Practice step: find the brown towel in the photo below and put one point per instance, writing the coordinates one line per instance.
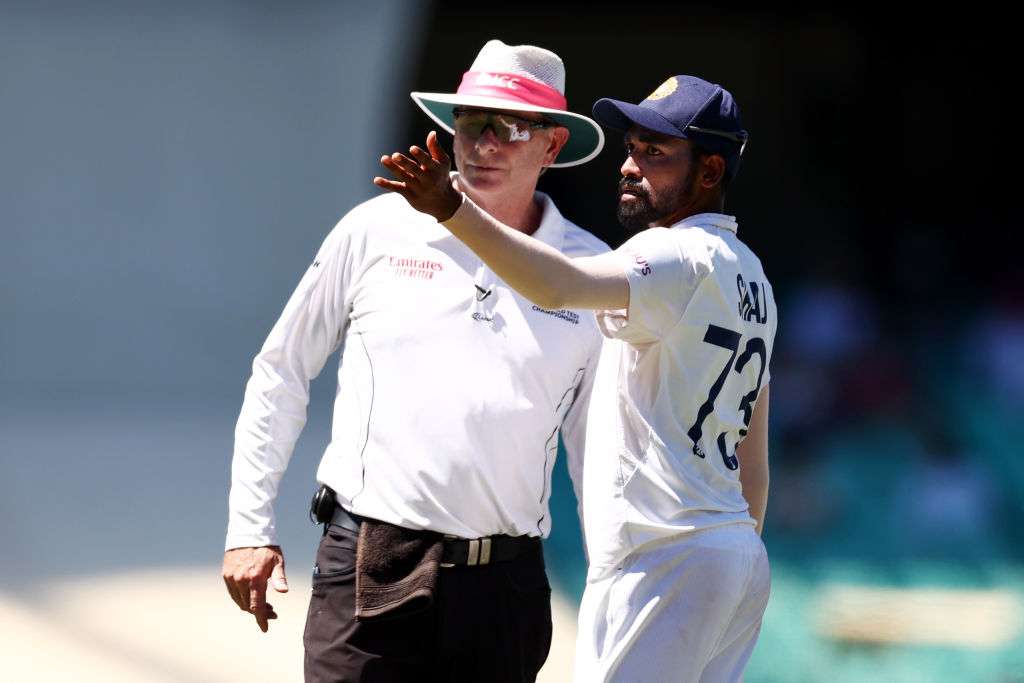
(396, 570)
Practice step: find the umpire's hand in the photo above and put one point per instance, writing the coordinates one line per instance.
(246, 572)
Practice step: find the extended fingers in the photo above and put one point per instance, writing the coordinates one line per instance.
(389, 164)
(424, 159)
(436, 152)
(401, 166)
(391, 185)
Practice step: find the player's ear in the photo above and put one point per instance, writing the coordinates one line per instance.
(712, 170)
(556, 141)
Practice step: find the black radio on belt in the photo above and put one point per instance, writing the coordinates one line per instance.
(321, 509)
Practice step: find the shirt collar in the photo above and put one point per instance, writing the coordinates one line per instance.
(551, 230)
(709, 220)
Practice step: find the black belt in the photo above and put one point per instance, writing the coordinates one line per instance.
(461, 551)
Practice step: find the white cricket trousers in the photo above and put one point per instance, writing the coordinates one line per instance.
(686, 610)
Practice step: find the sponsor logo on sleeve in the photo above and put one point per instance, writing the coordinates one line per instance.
(645, 267)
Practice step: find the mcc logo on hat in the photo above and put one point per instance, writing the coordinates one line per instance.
(518, 78)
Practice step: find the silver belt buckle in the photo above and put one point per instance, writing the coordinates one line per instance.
(479, 552)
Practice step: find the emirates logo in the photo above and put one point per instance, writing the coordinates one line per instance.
(419, 269)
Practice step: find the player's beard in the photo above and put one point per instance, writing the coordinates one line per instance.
(648, 207)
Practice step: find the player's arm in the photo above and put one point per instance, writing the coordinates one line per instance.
(753, 456)
(537, 271)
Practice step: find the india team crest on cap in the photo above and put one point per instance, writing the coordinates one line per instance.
(664, 90)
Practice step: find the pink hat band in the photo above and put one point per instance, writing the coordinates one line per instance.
(511, 87)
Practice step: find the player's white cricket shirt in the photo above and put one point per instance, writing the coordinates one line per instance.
(452, 387)
(675, 387)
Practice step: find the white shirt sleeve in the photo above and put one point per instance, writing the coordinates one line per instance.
(663, 277)
(274, 410)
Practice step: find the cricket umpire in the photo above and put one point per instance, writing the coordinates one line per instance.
(452, 393)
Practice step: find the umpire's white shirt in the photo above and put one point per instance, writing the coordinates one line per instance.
(675, 384)
(452, 387)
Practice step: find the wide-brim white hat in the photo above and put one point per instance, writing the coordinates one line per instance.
(518, 78)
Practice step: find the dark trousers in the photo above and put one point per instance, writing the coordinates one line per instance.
(490, 623)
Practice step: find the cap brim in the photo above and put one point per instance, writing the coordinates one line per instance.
(585, 137)
(623, 116)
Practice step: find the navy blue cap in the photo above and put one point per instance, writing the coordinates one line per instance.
(684, 107)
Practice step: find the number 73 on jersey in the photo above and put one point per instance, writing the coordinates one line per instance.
(730, 341)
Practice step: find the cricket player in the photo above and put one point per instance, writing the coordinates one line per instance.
(452, 392)
(676, 471)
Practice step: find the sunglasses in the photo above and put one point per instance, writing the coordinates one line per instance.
(507, 128)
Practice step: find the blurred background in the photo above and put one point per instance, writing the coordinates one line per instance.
(168, 169)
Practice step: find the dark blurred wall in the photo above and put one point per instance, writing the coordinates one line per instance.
(879, 135)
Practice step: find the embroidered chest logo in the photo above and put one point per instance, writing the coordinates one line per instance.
(416, 268)
(562, 314)
(753, 304)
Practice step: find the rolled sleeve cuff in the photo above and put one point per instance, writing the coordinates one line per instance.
(249, 541)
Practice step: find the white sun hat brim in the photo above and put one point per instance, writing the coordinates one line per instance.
(586, 139)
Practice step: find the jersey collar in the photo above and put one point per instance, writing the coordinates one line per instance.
(709, 220)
